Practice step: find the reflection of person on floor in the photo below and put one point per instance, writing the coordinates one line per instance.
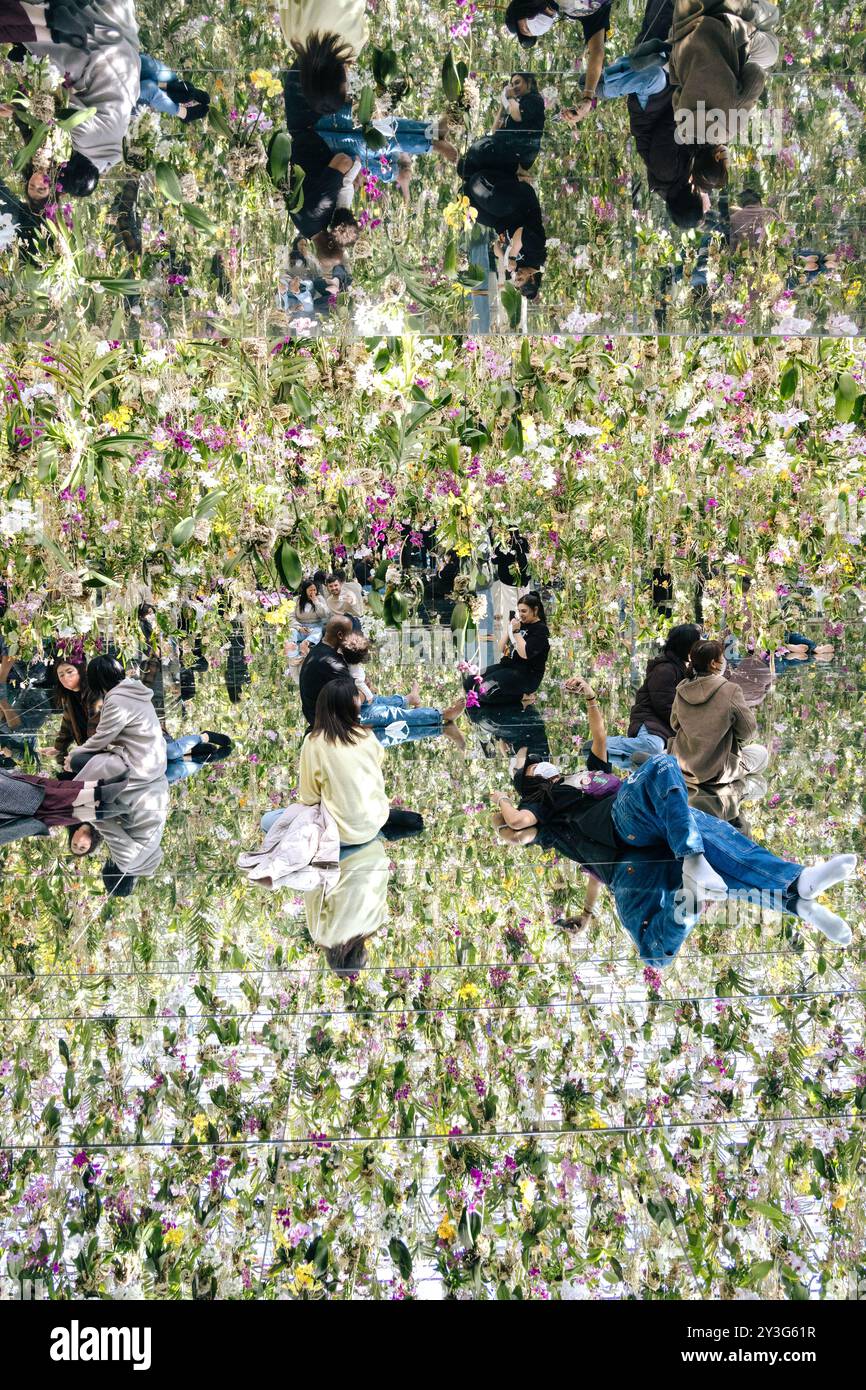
(96, 46)
(720, 50)
(187, 754)
(342, 920)
(33, 805)
(603, 817)
(326, 37)
(513, 728)
(163, 91)
(713, 728)
(401, 135)
(528, 20)
(515, 142)
(511, 565)
(649, 723)
(510, 206)
(24, 705)
(525, 649)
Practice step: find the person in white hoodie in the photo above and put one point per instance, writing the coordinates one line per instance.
(128, 735)
(95, 43)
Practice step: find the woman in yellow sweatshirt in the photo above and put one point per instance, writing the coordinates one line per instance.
(341, 766)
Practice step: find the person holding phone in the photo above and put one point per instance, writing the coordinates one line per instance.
(525, 648)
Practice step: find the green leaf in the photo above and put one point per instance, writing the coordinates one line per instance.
(772, 1213)
(366, 102)
(210, 502)
(198, 218)
(512, 303)
(279, 157)
(217, 121)
(22, 158)
(451, 84)
(846, 397)
(301, 402)
(400, 1255)
(167, 182)
(77, 118)
(758, 1271)
(449, 264)
(182, 532)
(289, 565)
(788, 383)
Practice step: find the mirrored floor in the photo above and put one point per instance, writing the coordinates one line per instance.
(454, 156)
(523, 1100)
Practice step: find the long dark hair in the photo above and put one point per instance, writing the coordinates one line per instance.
(710, 167)
(103, 674)
(63, 697)
(322, 63)
(303, 600)
(681, 639)
(349, 957)
(533, 601)
(337, 713)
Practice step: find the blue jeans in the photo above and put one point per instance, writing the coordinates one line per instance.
(652, 808)
(308, 634)
(342, 136)
(620, 79)
(150, 94)
(393, 721)
(178, 767)
(620, 748)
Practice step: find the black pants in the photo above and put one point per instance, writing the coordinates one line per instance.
(402, 823)
(502, 685)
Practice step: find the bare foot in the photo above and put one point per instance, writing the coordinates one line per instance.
(414, 697)
(446, 150)
(451, 731)
(454, 711)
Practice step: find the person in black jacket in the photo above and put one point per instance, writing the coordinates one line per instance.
(649, 724)
(668, 162)
(323, 663)
(515, 142)
(510, 206)
(525, 649)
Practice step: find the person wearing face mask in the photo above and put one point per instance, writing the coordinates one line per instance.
(530, 20)
(713, 727)
(600, 820)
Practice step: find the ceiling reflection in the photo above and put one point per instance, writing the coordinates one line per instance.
(629, 169)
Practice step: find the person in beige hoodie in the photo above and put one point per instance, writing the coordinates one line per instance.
(713, 728)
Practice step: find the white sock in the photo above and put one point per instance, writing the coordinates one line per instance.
(835, 928)
(701, 877)
(819, 877)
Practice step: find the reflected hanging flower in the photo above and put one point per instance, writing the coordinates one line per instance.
(460, 214)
